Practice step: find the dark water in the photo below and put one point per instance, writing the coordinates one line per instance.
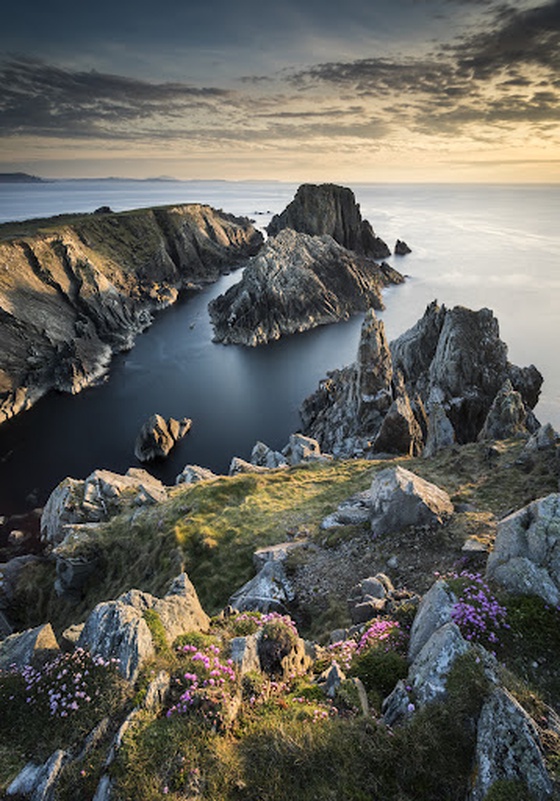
(494, 246)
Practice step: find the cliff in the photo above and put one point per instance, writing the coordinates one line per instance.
(74, 290)
(330, 209)
(295, 283)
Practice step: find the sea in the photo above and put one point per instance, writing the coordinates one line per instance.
(494, 246)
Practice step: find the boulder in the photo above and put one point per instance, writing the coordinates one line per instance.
(508, 747)
(28, 647)
(238, 465)
(354, 511)
(245, 653)
(158, 436)
(303, 449)
(544, 438)
(330, 209)
(399, 498)
(330, 680)
(118, 629)
(269, 591)
(193, 473)
(263, 456)
(526, 558)
(276, 553)
(102, 495)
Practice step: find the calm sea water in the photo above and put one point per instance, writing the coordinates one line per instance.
(494, 246)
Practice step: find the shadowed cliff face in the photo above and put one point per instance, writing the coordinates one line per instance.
(74, 293)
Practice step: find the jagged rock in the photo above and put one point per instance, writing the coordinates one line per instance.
(158, 436)
(269, 591)
(102, 495)
(508, 747)
(238, 465)
(455, 357)
(295, 283)
(80, 291)
(508, 415)
(369, 598)
(156, 692)
(441, 433)
(347, 410)
(72, 572)
(28, 647)
(38, 782)
(104, 791)
(400, 431)
(298, 660)
(427, 675)
(400, 498)
(193, 473)
(433, 612)
(263, 456)
(401, 248)
(303, 449)
(525, 556)
(70, 636)
(117, 629)
(330, 209)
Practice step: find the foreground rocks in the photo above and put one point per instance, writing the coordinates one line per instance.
(445, 380)
(76, 293)
(297, 282)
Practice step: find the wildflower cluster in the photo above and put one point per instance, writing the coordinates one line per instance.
(381, 633)
(477, 612)
(208, 685)
(248, 622)
(68, 683)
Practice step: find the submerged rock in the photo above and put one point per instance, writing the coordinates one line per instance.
(295, 283)
(330, 209)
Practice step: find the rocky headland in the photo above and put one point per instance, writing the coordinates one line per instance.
(445, 380)
(316, 268)
(75, 290)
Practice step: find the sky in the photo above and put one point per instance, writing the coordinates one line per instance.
(302, 90)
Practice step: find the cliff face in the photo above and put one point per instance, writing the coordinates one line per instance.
(330, 209)
(75, 292)
(295, 283)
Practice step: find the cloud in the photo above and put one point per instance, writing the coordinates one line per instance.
(42, 99)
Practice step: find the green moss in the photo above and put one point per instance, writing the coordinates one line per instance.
(159, 637)
(379, 671)
(507, 790)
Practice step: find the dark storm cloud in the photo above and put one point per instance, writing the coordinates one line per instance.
(42, 99)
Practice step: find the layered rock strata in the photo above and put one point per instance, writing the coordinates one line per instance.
(295, 283)
(445, 380)
(78, 290)
(330, 209)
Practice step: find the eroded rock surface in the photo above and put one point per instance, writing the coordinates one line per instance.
(295, 283)
(158, 437)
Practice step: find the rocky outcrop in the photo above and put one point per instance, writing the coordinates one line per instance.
(119, 630)
(525, 556)
(269, 591)
(455, 357)
(26, 647)
(401, 248)
(75, 293)
(38, 782)
(445, 380)
(295, 283)
(330, 209)
(102, 495)
(158, 436)
(193, 473)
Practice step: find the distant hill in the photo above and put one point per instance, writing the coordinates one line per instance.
(19, 178)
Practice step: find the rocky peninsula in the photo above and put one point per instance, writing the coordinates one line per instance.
(74, 290)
